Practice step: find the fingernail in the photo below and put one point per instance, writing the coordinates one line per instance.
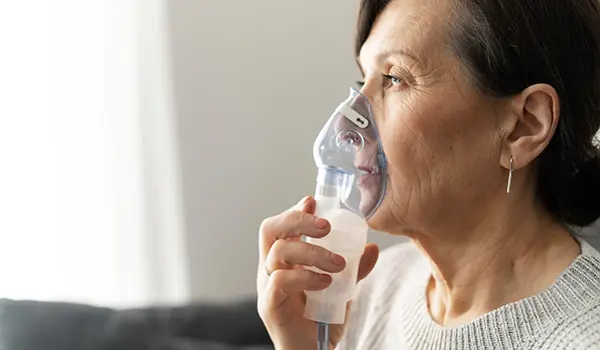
(338, 259)
(321, 223)
(325, 277)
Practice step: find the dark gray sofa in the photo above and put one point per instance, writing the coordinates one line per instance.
(33, 325)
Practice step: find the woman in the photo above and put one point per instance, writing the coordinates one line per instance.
(490, 97)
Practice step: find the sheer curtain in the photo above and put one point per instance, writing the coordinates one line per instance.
(89, 187)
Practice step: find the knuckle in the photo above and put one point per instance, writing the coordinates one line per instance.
(277, 279)
(270, 265)
(312, 279)
(314, 252)
(275, 257)
(265, 225)
(278, 248)
(295, 217)
(307, 275)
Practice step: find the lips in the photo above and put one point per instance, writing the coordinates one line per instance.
(369, 181)
(366, 170)
(368, 176)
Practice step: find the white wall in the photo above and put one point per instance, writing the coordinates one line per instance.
(254, 82)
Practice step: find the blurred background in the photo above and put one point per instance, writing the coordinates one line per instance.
(144, 141)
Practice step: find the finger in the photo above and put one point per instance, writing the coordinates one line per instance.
(282, 283)
(295, 223)
(284, 254)
(290, 224)
(368, 260)
(307, 204)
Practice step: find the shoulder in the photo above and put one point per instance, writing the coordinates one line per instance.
(581, 332)
(581, 329)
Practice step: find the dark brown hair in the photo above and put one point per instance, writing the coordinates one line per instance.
(506, 46)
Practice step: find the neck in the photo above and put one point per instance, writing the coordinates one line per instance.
(507, 257)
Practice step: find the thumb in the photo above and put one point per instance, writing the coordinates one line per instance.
(368, 260)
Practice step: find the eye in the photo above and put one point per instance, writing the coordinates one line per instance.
(393, 81)
(360, 84)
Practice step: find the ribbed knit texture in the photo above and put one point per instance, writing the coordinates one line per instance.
(390, 311)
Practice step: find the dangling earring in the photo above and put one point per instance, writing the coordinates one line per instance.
(510, 175)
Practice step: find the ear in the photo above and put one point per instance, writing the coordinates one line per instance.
(537, 111)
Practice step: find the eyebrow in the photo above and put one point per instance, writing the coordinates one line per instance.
(401, 52)
(387, 53)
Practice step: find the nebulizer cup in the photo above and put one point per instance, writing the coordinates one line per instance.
(351, 183)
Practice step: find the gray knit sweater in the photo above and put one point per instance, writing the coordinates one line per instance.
(390, 311)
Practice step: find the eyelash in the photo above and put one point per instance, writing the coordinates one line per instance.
(391, 79)
(388, 77)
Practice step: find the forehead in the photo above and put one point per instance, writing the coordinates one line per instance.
(416, 27)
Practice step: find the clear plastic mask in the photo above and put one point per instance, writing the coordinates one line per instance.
(350, 159)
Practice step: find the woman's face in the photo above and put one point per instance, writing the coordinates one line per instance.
(440, 135)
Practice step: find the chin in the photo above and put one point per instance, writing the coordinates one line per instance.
(379, 221)
(386, 218)
(369, 195)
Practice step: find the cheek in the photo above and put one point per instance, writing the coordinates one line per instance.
(417, 141)
(434, 149)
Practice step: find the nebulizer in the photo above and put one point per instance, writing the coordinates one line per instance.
(351, 183)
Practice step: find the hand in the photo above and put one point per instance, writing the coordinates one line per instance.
(282, 278)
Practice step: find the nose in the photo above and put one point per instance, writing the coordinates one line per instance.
(370, 90)
(371, 96)
(361, 104)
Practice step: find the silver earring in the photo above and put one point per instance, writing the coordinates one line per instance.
(510, 175)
